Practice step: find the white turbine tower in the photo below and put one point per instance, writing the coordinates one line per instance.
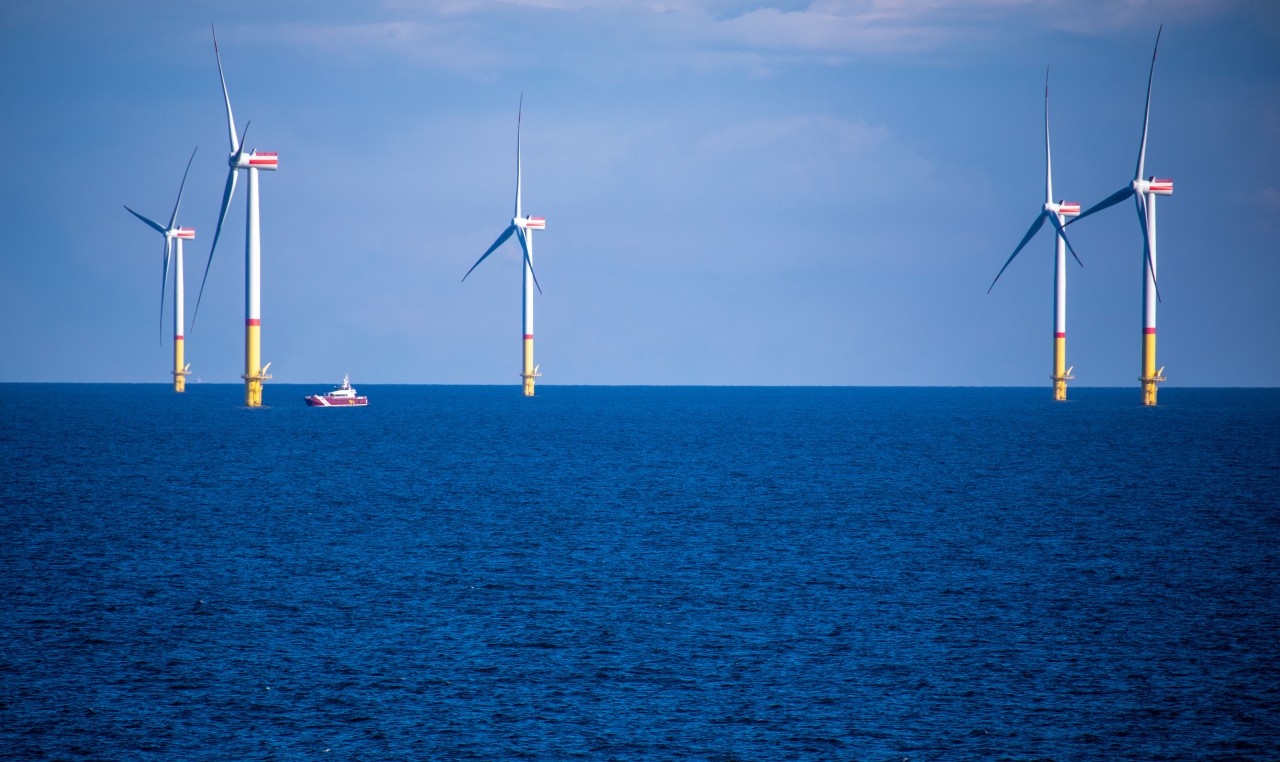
(173, 238)
(523, 227)
(254, 372)
(1144, 192)
(1055, 214)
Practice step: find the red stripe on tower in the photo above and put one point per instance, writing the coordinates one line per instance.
(1149, 330)
(253, 321)
(528, 336)
(177, 337)
(1060, 335)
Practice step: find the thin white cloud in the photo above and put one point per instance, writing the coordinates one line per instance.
(460, 7)
(904, 26)
(833, 27)
(476, 36)
(439, 43)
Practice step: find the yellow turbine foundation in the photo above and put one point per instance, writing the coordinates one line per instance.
(179, 374)
(528, 375)
(1149, 377)
(1060, 377)
(252, 364)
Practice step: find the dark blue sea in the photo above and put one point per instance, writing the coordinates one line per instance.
(639, 573)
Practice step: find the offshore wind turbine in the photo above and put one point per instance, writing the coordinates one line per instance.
(173, 238)
(254, 372)
(1055, 213)
(523, 228)
(1144, 192)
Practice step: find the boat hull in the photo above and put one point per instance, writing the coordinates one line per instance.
(324, 400)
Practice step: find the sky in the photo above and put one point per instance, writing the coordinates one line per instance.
(750, 192)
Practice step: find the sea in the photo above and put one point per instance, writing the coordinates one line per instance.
(639, 573)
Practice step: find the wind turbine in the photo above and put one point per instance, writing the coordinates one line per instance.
(254, 372)
(523, 228)
(1055, 213)
(1144, 192)
(173, 238)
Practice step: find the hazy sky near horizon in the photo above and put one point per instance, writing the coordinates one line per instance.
(761, 192)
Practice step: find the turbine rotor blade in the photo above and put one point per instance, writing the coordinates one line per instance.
(174, 218)
(231, 122)
(1035, 227)
(519, 120)
(524, 246)
(501, 239)
(1146, 243)
(1062, 231)
(217, 233)
(1142, 147)
(153, 225)
(1109, 201)
(1048, 158)
(227, 193)
(164, 281)
(243, 137)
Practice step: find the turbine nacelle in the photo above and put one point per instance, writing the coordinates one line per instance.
(1064, 208)
(254, 160)
(186, 234)
(1156, 185)
(530, 223)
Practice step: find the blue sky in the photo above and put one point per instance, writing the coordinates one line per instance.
(735, 192)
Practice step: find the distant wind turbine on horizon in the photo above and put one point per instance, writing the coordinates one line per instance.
(1055, 214)
(523, 228)
(173, 238)
(254, 372)
(1144, 192)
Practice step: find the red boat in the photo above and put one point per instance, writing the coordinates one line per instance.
(342, 396)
